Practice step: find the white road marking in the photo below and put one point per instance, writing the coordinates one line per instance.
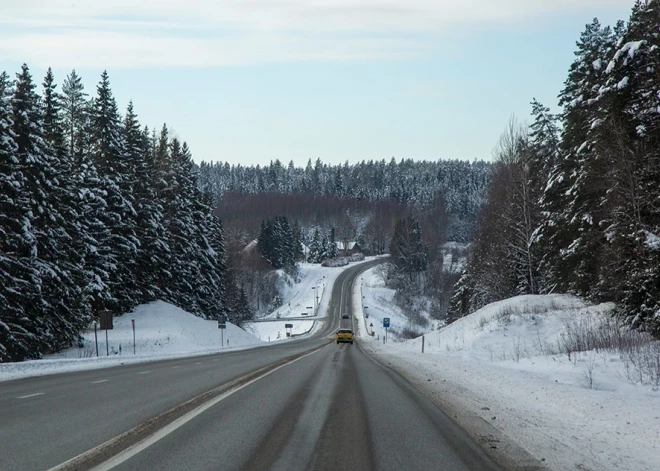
(100, 381)
(31, 395)
(177, 366)
(171, 427)
(144, 372)
(198, 363)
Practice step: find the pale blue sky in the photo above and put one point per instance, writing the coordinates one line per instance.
(253, 81)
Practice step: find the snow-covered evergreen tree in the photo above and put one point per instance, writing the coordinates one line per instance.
(20, 284)
(74, 108)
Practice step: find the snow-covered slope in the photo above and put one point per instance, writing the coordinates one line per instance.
(299, 302)
(161, 331)
(508, 365)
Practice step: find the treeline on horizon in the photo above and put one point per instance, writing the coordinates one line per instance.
(96, 213)
(574, 205)
(458, 185)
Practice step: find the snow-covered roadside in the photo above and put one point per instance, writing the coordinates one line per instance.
(164, 331)
(499, 366)
(300, 298)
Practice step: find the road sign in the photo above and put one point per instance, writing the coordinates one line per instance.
(371, 325)
(386, 322)
(105, 318)
(222, 322)
(304, 313)
(288, 326)
(309, 307)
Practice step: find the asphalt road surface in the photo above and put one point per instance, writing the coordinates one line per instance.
(296, 405)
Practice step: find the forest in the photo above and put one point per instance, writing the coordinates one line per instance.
(574, 204)
(97, 213)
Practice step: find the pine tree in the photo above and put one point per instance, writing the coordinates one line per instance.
(627, 136)
(74, 106)
(332, 250)
(315, 248)
(117, 178)
(19, 279)
(570, 230)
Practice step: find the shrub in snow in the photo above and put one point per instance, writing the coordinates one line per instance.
(342, 261)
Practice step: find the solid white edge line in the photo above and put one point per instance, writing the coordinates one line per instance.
(163, 432)
(30, 395)
(100, 381)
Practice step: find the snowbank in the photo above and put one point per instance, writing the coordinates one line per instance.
(162, 331)
(508, 365)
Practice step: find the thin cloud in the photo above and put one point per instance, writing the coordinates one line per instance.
(129, 33)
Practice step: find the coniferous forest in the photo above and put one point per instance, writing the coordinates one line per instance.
(96, 213)
(574, 204)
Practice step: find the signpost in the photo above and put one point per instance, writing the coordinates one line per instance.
(366, 314)
(96, 339)
(386, 324)
(133, 322)
(105, 318)
(222, 325)
(286, 327)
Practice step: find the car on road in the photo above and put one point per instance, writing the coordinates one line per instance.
(345, 335)
(345, 316)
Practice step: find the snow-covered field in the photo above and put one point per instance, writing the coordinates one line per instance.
(505, 365)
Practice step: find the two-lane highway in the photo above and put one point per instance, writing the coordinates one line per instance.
(335, 408)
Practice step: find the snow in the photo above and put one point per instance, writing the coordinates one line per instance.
(597, 64)
(500, 364)
(298, 306)
(274, 331)
(610, 67)
(652, 241)
(623, 83)
(162, 331)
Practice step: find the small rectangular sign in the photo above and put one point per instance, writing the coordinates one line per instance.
(386, 322)
(288, 326)
(105, 319)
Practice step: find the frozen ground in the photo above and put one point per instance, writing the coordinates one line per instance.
(503, 365)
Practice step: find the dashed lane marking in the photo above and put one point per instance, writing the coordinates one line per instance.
(100, 381)
(30, 395)
(144, 372)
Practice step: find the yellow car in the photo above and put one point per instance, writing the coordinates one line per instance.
(345, 335)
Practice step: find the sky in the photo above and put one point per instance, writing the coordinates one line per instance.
(250, 81)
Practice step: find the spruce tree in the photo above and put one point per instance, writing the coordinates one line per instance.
(74, 106)
(20, 295)
(116, 179)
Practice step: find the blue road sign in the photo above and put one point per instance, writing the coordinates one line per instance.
(386, 322)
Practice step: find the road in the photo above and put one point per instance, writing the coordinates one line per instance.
(265, 408)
